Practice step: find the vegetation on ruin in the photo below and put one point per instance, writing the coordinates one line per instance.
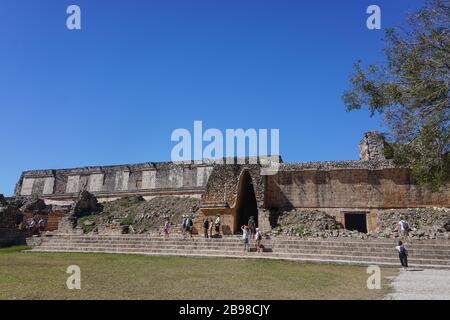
(411, 92)
(117, 276)
(141, 216)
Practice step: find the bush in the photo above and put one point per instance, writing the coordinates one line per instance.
(128, 221)
(87, 223)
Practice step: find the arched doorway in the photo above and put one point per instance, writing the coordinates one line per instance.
(246, 205)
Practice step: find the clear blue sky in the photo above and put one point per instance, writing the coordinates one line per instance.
(114, 91)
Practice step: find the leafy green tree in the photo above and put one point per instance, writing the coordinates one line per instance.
(411, 92)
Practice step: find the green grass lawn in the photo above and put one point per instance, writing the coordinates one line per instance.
(118, 276)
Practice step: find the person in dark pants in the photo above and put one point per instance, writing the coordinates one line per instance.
(189, 225)
(402, 254)
(206, 227)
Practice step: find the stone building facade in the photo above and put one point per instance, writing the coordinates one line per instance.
(355, 192)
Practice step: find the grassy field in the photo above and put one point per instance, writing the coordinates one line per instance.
(117, 276)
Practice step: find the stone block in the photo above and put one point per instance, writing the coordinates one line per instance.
(27, 187)
(73, 184)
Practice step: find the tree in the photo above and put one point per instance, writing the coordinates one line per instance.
(411, 92)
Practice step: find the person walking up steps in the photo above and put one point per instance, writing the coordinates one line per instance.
(403, 228)
(402, 254)
(245, 238)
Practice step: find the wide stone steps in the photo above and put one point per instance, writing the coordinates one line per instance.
(445, 245)
(279, 243)
(237, 239)
(284, 255)
(229, 250)
(370, 247)
(430, 254)
(271, 247)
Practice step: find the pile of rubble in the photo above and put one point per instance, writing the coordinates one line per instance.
(305, 223)
(426, 223)
(139, 216)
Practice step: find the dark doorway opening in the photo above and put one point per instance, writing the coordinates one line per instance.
(246, 206)
(356, 221)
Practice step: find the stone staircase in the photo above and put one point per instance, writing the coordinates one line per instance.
(424, 254)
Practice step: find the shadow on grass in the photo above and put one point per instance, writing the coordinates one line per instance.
(14, 249)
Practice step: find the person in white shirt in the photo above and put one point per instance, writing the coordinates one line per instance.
(217, 225)
(258, 238)
(245, 238)
(403, 228)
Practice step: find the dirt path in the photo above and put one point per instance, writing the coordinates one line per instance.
(418, 284)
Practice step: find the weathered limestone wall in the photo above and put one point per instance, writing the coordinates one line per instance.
(222, 186)
(114, 179)
(350, 188)
(221, 195)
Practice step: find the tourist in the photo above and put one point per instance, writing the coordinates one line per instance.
(41, 225)
(206, 227)
(31, 224)
(258, 238)
(402, 254)
(217, 225)
(211, 228)
(183, 225)
(245, 238)
(252, 225)
(167, 227)
(189, 225)
(403, 228)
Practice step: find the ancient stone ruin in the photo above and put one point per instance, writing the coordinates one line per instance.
(322, 199)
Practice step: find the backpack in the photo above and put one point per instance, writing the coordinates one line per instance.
(406, 226)
(402, 250)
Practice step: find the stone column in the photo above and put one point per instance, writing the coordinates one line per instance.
(264, 220)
